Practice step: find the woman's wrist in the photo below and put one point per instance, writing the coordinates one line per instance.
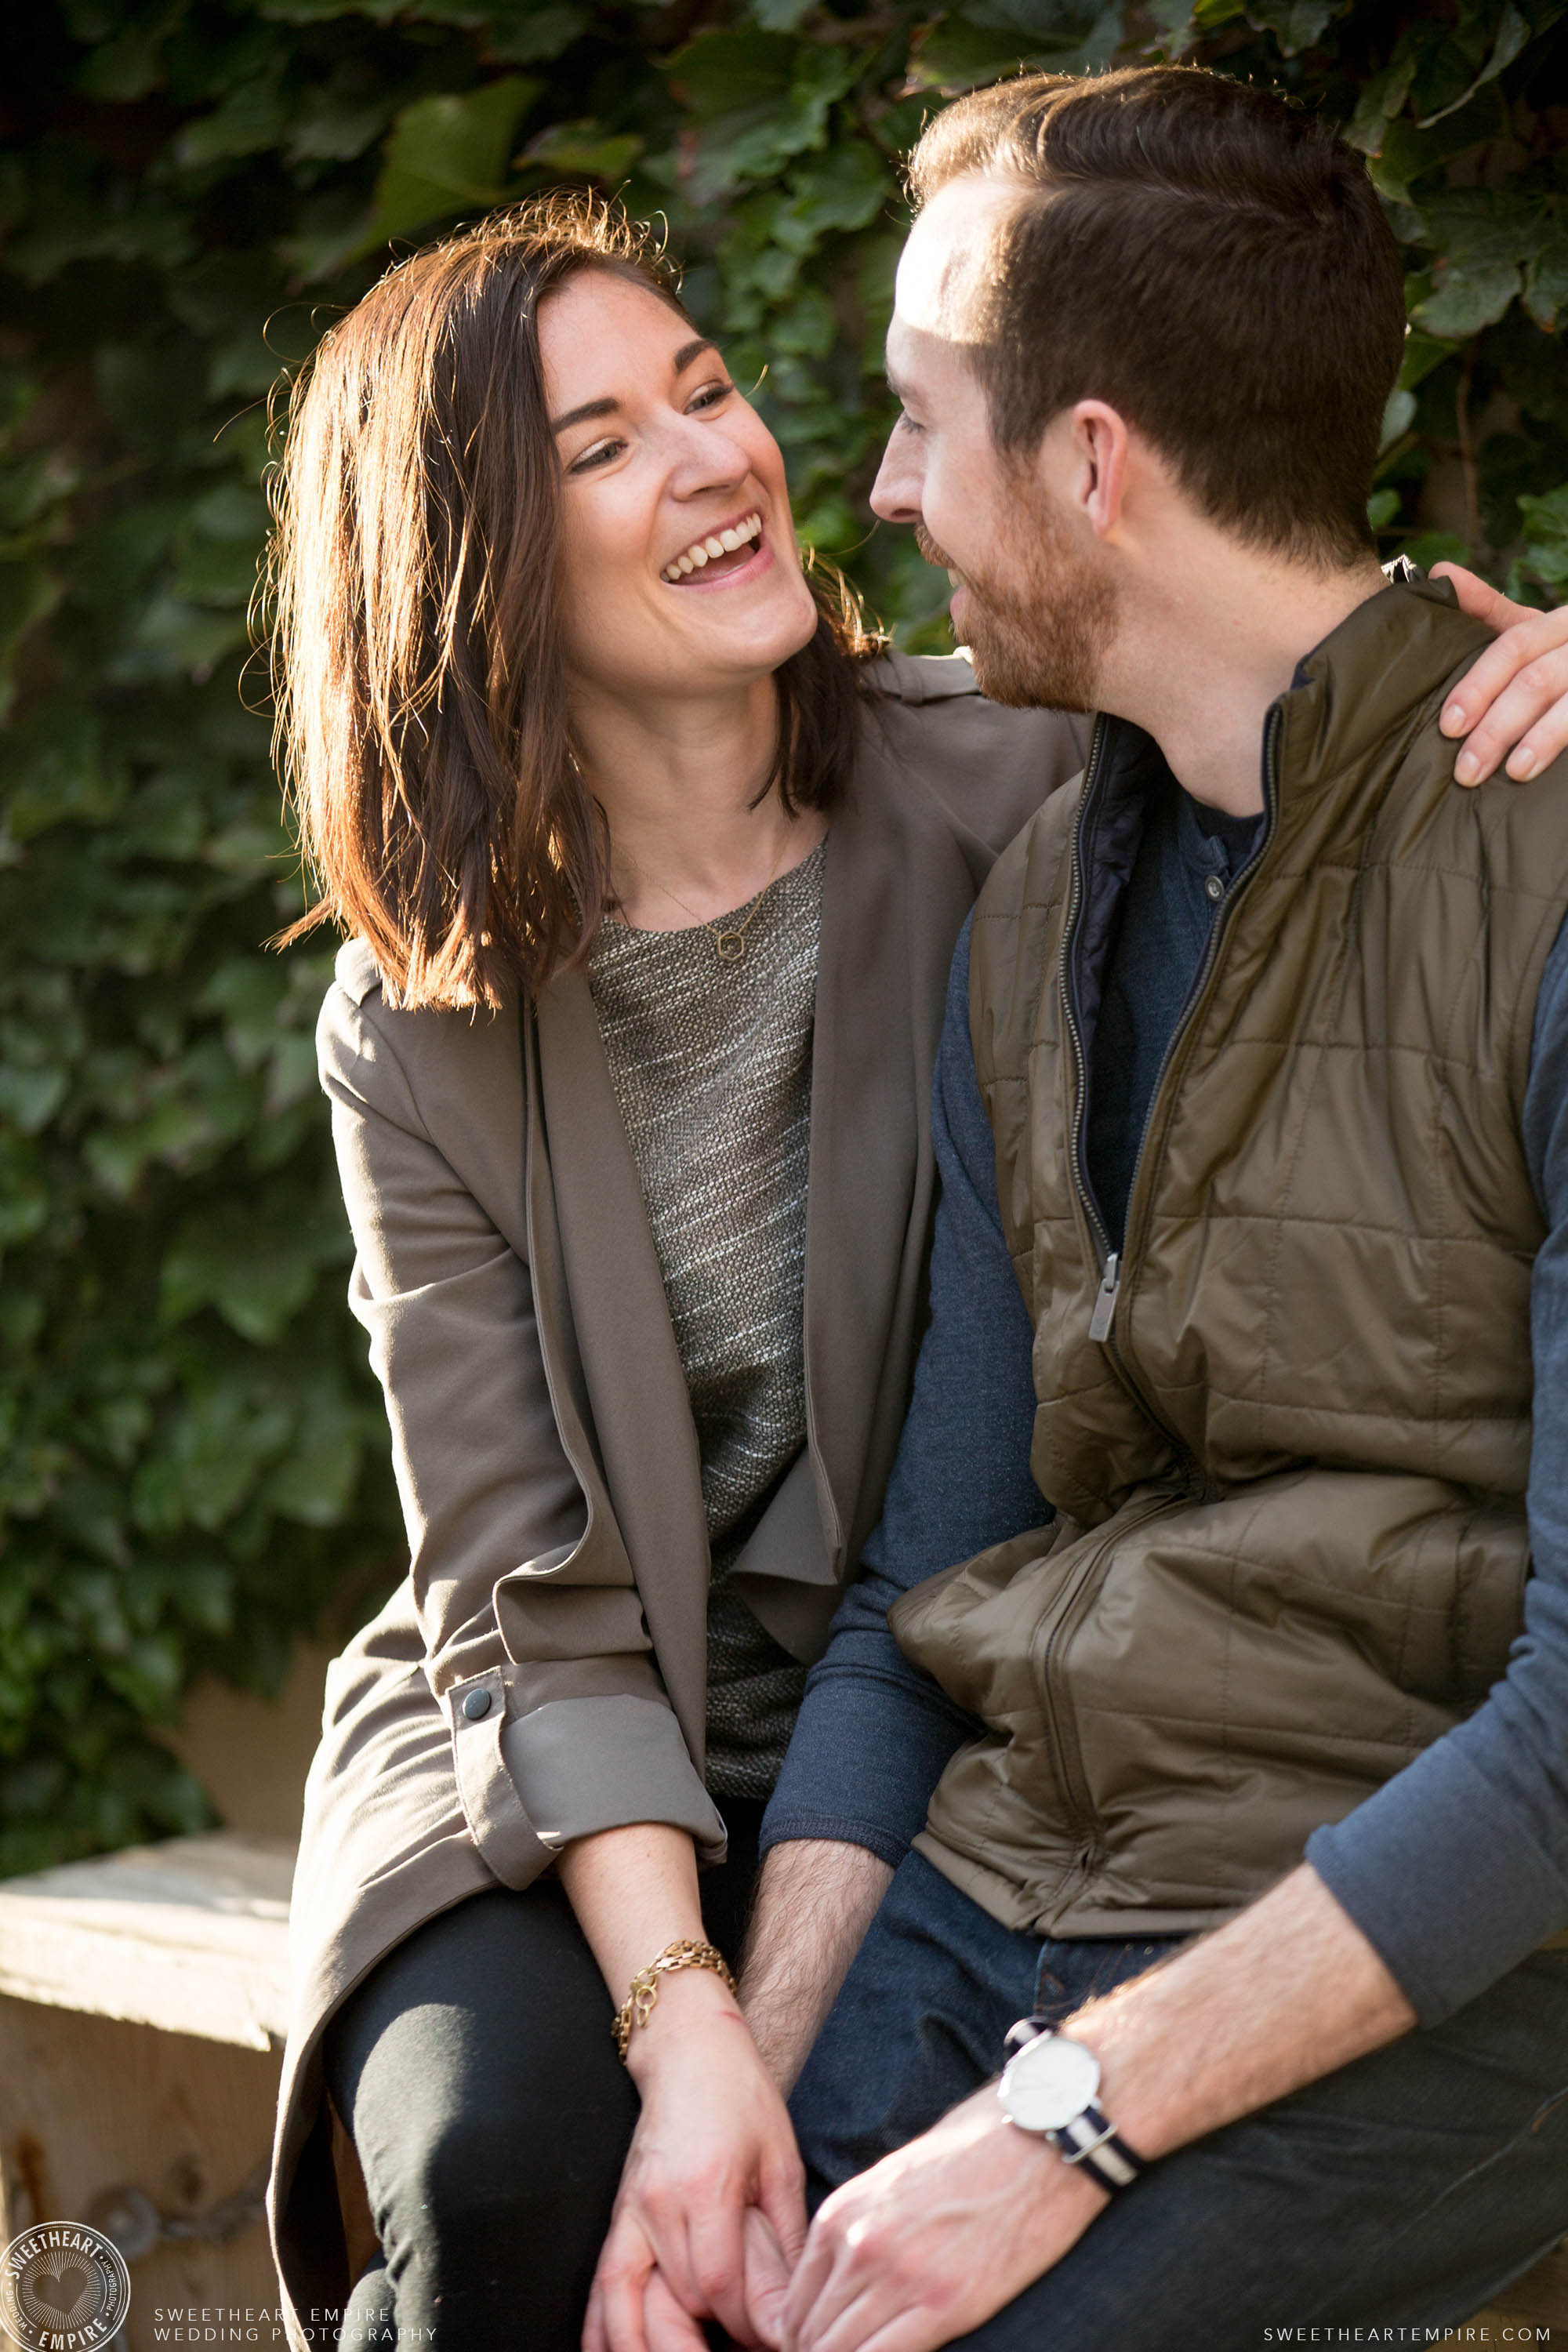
(692, 2005)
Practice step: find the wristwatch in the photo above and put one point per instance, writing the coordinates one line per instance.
(1050, 2086)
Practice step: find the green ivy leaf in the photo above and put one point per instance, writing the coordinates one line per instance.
(315, 1481)
(1408, 156)
(30, 1098)
(54, 771)
(1296, 25)
(845, 189)
(1514, 33)
(723, 73)
(1468, 299)
(584, 149)
(955, 55)
(445, 155)
(1546, 536)
(522, 33)
(1546, 284)
(1381, 99)
(251, 118)
(758, 139)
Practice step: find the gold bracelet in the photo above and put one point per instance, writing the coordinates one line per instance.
(637, 2007)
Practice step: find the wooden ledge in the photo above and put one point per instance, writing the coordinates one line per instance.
(191, 1934)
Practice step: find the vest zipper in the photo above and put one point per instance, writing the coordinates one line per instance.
(1061, 1724)
(1105, 1297)
(1108, 1258)
(1113, 1264)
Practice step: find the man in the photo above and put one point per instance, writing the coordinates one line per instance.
(1271, 1027)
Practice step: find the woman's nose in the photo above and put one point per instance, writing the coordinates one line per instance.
(706, 457)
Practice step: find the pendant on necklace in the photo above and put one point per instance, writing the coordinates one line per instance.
(729, 946)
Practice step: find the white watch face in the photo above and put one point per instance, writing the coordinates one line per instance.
(1050, 2082)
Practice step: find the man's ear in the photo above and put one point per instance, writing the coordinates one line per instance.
(1095, 449)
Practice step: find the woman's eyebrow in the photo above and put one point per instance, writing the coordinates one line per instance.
(591, 408)
(580, 415)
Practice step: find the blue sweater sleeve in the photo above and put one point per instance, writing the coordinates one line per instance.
(875, 1734)
(1458, 1868)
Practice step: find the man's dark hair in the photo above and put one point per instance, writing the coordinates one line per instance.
(1208, 259)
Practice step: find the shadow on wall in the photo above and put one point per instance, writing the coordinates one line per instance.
(250, 1754)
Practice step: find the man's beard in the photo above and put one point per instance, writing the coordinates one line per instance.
(1038, 629)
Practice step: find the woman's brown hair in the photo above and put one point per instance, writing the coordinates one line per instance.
(419, 682)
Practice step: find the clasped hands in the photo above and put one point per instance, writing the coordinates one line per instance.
(710, 2222)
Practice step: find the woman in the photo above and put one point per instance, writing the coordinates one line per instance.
(656, 865)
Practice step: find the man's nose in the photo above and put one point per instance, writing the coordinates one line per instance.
(897, 491)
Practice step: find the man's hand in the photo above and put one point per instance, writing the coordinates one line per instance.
(937, 2237)
(1514, 700)
(816, 1898)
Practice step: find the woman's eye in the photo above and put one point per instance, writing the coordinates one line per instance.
(711, 394)
(599, 455)
(907, 423)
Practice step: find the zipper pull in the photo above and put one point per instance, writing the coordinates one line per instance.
(1105, 1299)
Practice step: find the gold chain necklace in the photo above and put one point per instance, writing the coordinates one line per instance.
(728, 937)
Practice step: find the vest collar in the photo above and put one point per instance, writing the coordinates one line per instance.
(1376, 672)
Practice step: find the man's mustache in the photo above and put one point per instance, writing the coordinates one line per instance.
(932, 551)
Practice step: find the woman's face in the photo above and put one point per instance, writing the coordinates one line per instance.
(680, 568)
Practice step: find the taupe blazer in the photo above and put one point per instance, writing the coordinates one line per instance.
(540, 1672)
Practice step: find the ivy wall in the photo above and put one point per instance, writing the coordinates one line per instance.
(192, 1460)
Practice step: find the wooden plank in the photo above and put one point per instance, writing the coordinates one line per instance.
(89, 2104)
(1527, 2312)
(190, 1936)
(1541, 2296)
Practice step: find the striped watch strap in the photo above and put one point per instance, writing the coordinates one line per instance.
(1092, 2140)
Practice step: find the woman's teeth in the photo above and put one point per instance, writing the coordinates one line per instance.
(702, 552)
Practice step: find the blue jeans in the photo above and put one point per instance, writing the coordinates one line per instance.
(1403, 2191)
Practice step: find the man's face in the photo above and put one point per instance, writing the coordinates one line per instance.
(1032, 600)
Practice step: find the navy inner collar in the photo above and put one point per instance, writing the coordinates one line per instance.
(1203, 829)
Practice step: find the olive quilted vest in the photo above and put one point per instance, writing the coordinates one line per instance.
(1288, 1435)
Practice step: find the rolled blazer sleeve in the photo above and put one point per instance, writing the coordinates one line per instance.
(535, 1638)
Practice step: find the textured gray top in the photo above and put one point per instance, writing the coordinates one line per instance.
(712, 1067)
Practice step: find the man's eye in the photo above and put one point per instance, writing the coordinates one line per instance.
(907, 423)
(599, 455)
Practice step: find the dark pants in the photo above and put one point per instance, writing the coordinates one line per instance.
(476, 2074)
(1404, 2191)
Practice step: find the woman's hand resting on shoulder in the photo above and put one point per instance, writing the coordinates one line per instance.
(710, 2217)
(1511, 706)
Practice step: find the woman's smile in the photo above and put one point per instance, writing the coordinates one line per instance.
(731, 553)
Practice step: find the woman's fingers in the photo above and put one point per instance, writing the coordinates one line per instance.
(593, 2337)
(768, 2272)
(1477, 597)
(782, 2197)
(666, 2324)
(626, 2265)
(1526, 727)
(716, 2264)
(1511, 706)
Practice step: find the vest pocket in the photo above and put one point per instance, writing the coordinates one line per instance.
(1191, 1688)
